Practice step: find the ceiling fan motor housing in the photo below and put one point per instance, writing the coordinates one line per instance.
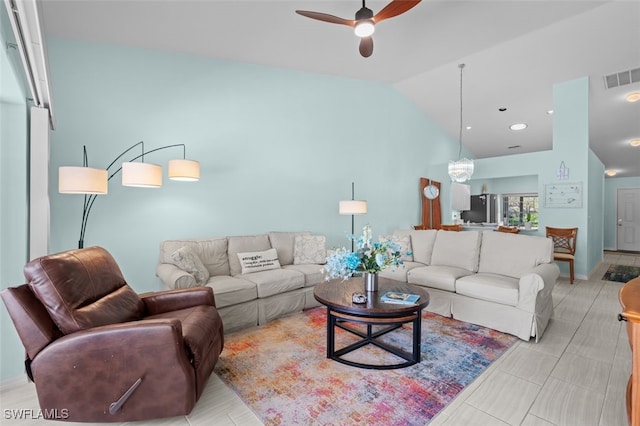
(364, 13)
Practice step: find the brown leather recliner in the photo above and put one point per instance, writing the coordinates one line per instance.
(99, 352)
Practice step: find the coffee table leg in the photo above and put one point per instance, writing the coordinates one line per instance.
(331, 322)
(417, 334)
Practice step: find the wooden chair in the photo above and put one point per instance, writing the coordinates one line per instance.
(508, 229)
(451, 227)
(564, 245)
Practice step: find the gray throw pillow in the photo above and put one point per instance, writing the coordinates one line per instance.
(309, 249)
(185, 259)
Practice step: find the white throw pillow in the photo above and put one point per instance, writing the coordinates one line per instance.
(309, 249)
(185, 259)
(256, 261)
(404, 241)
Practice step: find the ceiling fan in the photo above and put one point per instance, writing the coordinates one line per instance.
(365, 21)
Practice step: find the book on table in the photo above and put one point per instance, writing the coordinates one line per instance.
(400, 298)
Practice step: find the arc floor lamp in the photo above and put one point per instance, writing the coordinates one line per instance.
(93, 182)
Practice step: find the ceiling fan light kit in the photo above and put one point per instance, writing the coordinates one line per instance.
(364, 28)
(365, 21)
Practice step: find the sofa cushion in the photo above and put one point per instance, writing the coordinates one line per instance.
(245, 244)
(212, 253)
(490, 287)
(399, 273)
(404, 242)
(421, 243)
(309, 249)
(283, 242)
(313, 274)
(513, 254)
(442, 277)
(275, 281)
(256, 261)
(457, 249)
(82, 289)
(232, 290)
(185, 259)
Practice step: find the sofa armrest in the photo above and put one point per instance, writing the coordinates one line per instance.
(159, 302)
(537, 283)
(86, 371)
(174, 277)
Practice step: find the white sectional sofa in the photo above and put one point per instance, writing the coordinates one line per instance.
(498, 280)
(252, 288)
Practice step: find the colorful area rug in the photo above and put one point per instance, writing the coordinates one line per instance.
(280, 370)
(621, 273)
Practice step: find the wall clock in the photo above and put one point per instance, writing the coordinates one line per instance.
(431, 192)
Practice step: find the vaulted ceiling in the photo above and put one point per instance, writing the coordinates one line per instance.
(513, 51)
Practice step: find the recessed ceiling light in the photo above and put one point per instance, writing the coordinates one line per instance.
(468, 127)
(518, 126)
(634, 142)
(633, 97)
(610, 172)
(550, 112)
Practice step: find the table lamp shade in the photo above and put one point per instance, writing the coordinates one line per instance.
(185, 170)
(82, 180)
(352, 207)
(144, 175)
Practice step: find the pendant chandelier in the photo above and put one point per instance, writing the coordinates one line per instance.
(462, 169)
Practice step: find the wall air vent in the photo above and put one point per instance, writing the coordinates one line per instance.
(622, 78)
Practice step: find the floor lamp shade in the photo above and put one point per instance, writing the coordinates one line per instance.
(352, 207)
(185, 170)
(82, 180)
(144, 175)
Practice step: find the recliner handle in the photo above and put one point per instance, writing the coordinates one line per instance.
(114, 407)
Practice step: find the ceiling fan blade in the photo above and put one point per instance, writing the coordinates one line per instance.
(395, 8)
(326, 18)
(366, 46)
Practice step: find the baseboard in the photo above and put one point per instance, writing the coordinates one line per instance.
(12, 383)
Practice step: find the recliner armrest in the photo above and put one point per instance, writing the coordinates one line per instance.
(173, 300)
(35, 327)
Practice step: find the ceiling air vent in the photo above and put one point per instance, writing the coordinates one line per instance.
(622, 78)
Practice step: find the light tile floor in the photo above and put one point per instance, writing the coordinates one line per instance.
(575, 376)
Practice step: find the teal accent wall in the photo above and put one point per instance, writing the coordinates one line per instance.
(14, 234)
(278, 150)
(610, 221)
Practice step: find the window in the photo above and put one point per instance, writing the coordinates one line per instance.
(520, 208)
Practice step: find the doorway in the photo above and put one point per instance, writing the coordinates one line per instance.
(628, 234)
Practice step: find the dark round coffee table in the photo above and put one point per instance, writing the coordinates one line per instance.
(336, 296)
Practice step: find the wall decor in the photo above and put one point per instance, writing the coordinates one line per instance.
(563, 195)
